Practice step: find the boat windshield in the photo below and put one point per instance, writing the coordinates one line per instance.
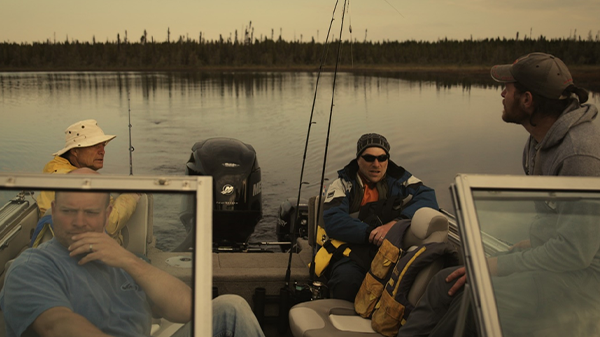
(165, 221)
(538, 249)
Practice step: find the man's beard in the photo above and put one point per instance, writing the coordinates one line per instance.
(516, 115)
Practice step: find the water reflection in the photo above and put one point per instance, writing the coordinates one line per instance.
(234, 84)
(437, 124)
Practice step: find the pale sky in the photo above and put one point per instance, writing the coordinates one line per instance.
(39, 20)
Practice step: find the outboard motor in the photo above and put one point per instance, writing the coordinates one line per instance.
(237, 203)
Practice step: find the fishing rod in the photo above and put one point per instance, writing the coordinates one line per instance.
(310, 123)
(351, 38)
(337, 61)
(130, 147)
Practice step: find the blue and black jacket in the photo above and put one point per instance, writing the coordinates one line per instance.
(344, 196)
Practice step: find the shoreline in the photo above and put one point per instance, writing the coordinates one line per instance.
(586, 76)
(588, 70)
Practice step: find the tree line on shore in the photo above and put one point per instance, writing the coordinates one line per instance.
(186, 54)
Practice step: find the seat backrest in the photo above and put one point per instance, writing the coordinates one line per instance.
(427, 226)
(138, 231)
(17, 222)
(314, 220)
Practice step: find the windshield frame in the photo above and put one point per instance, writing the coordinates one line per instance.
(198, 186)
(464, 192)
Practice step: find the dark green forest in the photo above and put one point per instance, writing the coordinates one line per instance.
(277, 54)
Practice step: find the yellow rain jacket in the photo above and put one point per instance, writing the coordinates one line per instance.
(56, 165)
(123, 206)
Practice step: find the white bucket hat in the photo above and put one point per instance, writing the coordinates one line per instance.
(83, 134)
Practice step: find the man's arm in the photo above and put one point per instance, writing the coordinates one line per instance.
(573, 245)
(460, 275)
(171, 297)
(62, 322)
(339, 224)
(377, 235)
(123, 207)
(580, 166)
(421, 196)
(34, 299)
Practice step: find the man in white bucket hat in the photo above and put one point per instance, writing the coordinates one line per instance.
(84, 147)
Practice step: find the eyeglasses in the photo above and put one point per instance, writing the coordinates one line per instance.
(371, 158)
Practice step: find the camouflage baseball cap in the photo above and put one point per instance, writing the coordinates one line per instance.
(541, 73)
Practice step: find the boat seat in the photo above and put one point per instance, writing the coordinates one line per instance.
(138, 231)
(332, 317)
(17, 220)
(328, 317)
(314, 220)
(163, 328)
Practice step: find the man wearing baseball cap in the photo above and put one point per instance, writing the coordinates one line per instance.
(84, 147)
(563, 140)
(370, 195)
(541, 96)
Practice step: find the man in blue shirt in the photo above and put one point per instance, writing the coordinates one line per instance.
(83, 283)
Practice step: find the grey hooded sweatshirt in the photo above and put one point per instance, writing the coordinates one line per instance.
(570, 148)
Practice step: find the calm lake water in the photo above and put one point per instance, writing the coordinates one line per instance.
(436, 128)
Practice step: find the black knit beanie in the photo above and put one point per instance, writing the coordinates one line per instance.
(371, 140)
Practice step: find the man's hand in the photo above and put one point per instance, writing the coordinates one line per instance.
(378, 234)
(493, 265)
(175, 304)
(100, 247)
(521, 245)
(461, 278)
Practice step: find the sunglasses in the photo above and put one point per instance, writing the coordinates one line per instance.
(371, 158)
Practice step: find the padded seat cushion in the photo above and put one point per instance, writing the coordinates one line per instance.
(332, 317)
(328, 317)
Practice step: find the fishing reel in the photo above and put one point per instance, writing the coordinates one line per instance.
(305, 292)
(288, 297)
(292, 222)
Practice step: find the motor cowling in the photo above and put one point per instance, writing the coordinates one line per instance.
(237, 189)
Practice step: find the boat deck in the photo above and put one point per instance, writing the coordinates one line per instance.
(243, 273)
